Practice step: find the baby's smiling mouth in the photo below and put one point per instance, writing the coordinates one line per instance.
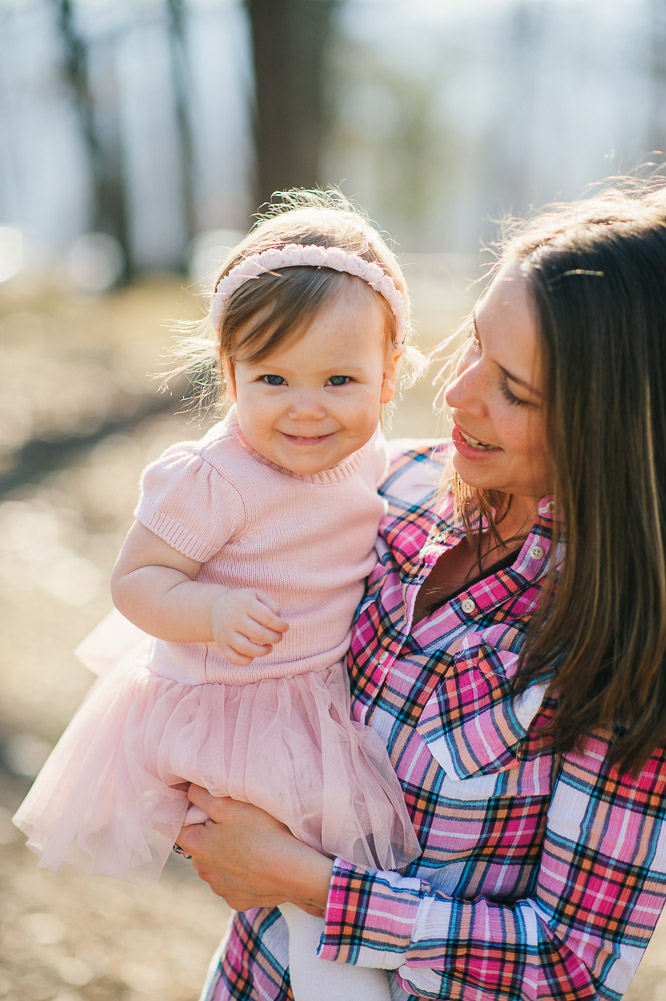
(313, 438)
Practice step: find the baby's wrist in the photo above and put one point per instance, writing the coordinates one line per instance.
(216, 608)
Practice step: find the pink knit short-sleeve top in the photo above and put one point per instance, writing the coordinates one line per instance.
(308, 541)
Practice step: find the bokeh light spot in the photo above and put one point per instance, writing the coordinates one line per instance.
(11, 252)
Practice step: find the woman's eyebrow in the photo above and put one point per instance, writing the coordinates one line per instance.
(521, 382)
(509, 375)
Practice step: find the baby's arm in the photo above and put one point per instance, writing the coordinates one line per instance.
(153, 586)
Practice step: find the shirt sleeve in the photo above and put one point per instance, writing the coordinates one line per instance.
(580, 934)
(187, 502)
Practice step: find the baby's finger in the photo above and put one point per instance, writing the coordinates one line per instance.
(268, 615)
(240, 649)
(235, 658)
(263, 635)
(269, 602)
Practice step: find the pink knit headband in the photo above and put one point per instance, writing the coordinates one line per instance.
(295, 255)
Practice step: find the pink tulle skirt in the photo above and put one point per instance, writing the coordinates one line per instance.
(111, 799)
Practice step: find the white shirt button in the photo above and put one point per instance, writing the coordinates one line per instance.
(550, 506)
(468, 606)
(537, 553)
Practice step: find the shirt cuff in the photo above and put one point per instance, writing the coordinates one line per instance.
(370, 916)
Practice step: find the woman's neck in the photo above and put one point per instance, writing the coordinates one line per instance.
(474, 556)
(516, 522)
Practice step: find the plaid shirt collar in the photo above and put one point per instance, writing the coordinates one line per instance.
(412, 538)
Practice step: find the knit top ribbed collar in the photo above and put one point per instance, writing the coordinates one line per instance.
(336, 474)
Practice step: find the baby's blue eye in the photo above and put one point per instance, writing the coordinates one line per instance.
(339, 380)
(273, 380)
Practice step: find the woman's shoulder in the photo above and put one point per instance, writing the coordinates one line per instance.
(416, 494)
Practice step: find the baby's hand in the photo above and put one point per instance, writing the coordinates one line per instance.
(246, 624)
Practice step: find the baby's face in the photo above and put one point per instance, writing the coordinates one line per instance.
(309, 405)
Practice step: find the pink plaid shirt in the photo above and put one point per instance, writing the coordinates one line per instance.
(542, 876)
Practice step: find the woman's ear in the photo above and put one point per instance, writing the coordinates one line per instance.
(229, 380)
(390, 378)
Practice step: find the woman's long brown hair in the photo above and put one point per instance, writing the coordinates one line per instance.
(597, 271)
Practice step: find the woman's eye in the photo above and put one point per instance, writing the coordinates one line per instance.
(511, 397)
(339, 380)
(273, 380)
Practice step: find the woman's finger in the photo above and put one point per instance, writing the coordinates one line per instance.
(211, 805)
(250, 858)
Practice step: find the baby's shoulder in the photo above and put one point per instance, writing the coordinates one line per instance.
(199, 466)
(215, 450)
(188, 499)
(218, 445)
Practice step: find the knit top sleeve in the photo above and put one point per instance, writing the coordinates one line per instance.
(379, 456)
(188, 502)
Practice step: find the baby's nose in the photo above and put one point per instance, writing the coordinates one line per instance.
(306, 406)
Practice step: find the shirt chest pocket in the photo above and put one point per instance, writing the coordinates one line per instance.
(477, 732)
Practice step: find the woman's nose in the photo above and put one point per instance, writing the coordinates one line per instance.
(466, 391)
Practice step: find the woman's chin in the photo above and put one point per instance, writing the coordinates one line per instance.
(475, 474)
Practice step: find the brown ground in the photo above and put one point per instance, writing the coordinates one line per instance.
(65, 367)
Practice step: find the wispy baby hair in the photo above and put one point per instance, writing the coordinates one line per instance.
(260, 308)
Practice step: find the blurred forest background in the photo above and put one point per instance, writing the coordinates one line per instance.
(137, 137)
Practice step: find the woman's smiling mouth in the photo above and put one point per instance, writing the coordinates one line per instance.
(467, 444)
(474, 441)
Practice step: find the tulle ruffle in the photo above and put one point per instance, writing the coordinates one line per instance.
(111, 798)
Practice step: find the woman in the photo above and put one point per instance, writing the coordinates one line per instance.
(511, 650)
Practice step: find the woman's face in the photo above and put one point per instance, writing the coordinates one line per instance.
(496, 397)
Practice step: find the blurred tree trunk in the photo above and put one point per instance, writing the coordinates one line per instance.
(179, 73)
(109, 203)
(506, 179)
(290, 39)
(656, 130)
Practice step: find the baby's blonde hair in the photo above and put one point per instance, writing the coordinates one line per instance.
(274, 309)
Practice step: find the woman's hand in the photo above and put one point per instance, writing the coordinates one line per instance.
(252, 860)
